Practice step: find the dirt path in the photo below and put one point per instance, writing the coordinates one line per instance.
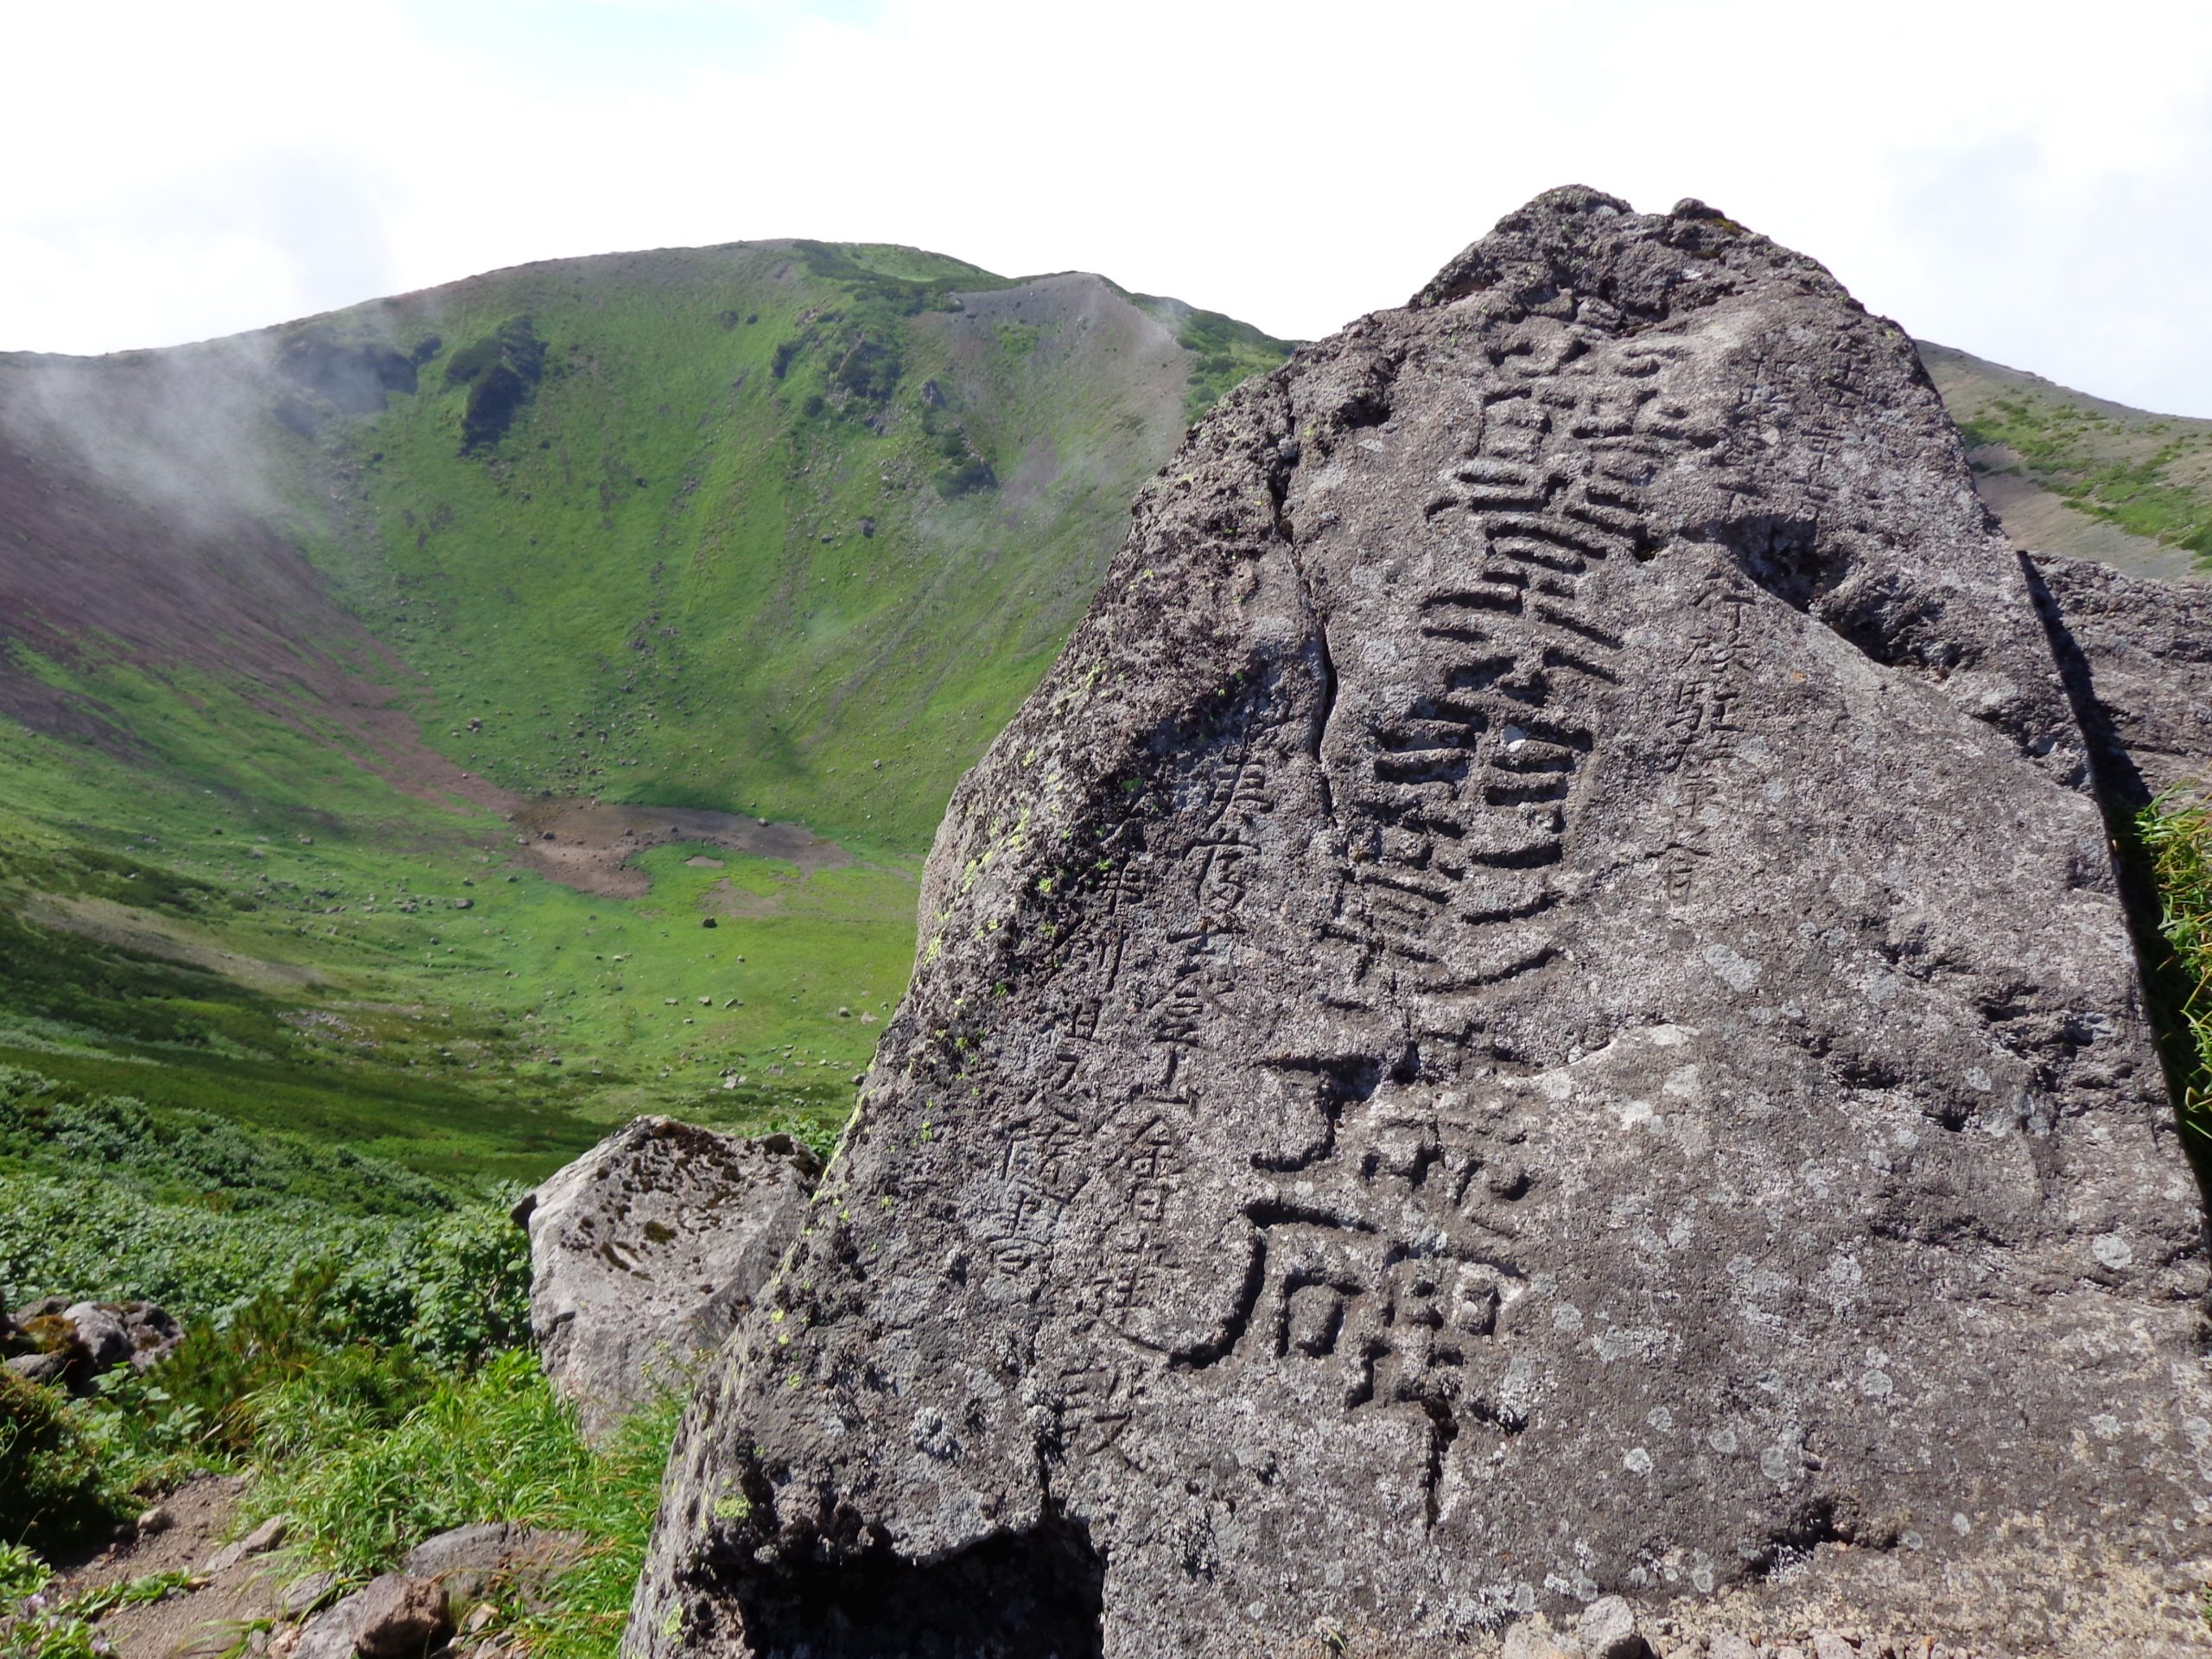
(208, 1617)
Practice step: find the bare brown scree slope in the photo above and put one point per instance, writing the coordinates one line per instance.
(1536, 1006)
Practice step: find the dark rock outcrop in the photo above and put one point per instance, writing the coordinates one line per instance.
(1537, 1007)
(645, 1250)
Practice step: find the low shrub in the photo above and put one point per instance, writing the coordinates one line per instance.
(56, 1491)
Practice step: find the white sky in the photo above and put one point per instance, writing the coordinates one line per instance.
(2028, 181)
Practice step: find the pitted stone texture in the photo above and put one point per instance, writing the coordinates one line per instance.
(645, 1250)
(1535, 1008)
(2139, 655)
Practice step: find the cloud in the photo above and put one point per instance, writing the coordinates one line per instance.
(2021, 193)
(181, 432)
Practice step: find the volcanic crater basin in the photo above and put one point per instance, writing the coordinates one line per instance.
(1536, 1007)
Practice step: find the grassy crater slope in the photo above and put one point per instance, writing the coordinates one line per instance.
(317, 647)
(2074, 475)
(781, 529)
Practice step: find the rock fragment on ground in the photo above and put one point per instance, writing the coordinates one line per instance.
(394, 1616)
(399, 1616)
(259, 1542)
(1607, 1630)
(56, 1340)
(495, 1557)
(301, 1596)
(1530, 1640)
(645, 1251)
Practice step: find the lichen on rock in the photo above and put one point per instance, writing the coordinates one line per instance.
(646, 1250)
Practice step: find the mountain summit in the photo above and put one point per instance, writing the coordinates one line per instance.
(1536, 1007)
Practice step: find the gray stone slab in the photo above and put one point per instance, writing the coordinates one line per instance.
(645, 1250)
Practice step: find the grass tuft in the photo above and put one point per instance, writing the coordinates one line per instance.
(2173, 837)
(364, 1484)
(497, 1446)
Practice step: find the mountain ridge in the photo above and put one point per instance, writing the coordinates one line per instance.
(421, 637)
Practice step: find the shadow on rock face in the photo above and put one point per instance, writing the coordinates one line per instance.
(1031, 1595)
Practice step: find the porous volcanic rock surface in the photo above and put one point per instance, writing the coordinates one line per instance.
(644, 1251)
(1537, 1007)
(2138, 653)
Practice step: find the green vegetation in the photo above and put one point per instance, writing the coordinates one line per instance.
(2149, 475)
(371, 1452)
(267, 965)
(2160, 490)
(781, 531)
(21, 1572)
(375, 1380)
(54, 1493)
(2170, 841)
(279, 1255)
(500, 371)
(291, 1005)
(66, 1628)
(653, 587)
(365, 1484)
(1224, 351)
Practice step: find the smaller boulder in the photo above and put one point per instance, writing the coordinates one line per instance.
(262, 1539)
(1607, 1631)
(1531, 1640)
(303, 1595)
(494, 1558)
(647, 1251)
(153, 1333)
(395, 1617)
(78, 1342)
(400, 1616)
(329, 1634)
(101, 1332)
(39, 1368)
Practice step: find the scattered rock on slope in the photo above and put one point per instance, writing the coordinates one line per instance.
(392, 1616)
(76, 1342)
(1535, 1008)
(644, 1251)
(494, 1558)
